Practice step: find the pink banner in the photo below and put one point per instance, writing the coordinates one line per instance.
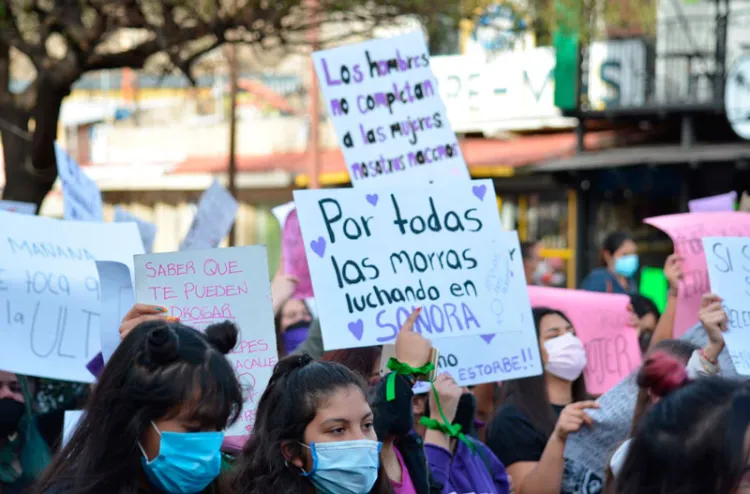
(601, 322)
(295, 259)
(687, 231)
(720, 203)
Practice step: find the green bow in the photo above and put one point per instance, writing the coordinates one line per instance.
(451, 430)
(404, 370)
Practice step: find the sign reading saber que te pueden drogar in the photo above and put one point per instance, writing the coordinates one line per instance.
(384, 103)
(208, 286)
(375, 257)
(50, 292)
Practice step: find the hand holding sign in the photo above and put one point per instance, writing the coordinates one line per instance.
(412, 348)
(673, 270)
(141, 313)
(572, 418)
(715, 321)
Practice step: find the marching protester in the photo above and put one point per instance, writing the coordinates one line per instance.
(619, 257)
(23, 452)
(155, 419)
(529, 432)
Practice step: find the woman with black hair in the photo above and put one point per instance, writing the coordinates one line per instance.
(23, 452)
(693, 441)
(313, 432)
(620, 265)
(528, 433)
(154, 421)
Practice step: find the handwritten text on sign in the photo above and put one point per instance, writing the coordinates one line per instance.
(49, 292)
(375, 257)
(203, 287)
(600, 321)
(728, 260)
(687, 232)
(384, 103)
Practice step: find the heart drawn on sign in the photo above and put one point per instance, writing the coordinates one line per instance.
(319, 246)
(372, 199)
(487, 338)
(357, 328)
(479, 191)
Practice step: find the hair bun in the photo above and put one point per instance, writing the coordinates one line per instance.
(223, 336)
(661, 374)
(289, 364)
(162, 345)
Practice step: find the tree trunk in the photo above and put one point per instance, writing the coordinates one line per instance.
(30, 165)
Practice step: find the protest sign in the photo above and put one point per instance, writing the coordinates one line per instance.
(434, 247)
(686, 232)
(147, 229)
(18, 207)
(71, 419)
(728, 261)
(82, 200)
(50, 292)
(203, 287)
(213, 219)
(117, 297)
(384, 103)
(601, 322)
(719, 203)
(295, 260)
(592, 447)
(282, 211)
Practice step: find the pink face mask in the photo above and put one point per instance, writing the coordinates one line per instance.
(566, 357)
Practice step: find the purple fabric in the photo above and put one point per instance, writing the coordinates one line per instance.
(96, 366)
(294, 338)
(467, 471)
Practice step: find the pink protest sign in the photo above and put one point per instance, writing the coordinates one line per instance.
(687, 231)
(720, 203)
(601, 322)
(295, 259)
(203, 287)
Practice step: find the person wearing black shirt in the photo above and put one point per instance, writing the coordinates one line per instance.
(529, 431)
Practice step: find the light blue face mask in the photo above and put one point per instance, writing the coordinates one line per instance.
(627, 266)
(187, 461)
(344, 467)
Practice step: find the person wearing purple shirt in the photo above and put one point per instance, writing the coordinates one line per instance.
(461, 468)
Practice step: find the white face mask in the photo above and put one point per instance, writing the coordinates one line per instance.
(566, 357)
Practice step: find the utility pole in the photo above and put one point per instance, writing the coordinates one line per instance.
(313, 144)
(232, 168)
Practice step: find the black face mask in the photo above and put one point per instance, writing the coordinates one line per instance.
(11, 413)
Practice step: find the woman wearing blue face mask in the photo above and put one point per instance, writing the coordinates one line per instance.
(313, 433)
(621, 264)
(154, 422)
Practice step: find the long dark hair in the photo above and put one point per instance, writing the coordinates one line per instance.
(360, 360)
(613, 242)
(691, 442)
(530, 393)
(157, 370)
(296, 389)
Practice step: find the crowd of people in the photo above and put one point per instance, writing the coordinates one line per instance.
(331, 422)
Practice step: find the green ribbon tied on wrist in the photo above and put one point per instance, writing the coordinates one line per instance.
(404, 370)
(447, 428)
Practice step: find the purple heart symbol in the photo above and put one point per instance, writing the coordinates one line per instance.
(357, 328)
(319, 246)
(487, 337)
(479, 191)
(372, 199)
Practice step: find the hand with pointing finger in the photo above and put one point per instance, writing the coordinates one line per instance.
(572, 418)
(412, 348)
(141, 313)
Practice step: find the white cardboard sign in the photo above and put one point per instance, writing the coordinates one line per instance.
(50, 293)
(376, 257)
(213, 220)
(203, 287)
(18, 207)
(728, 261)
(391, 121)
(147, 229)
(82, 199)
